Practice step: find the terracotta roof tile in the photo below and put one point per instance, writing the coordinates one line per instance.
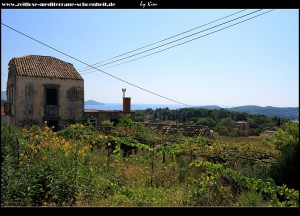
(168, 122)
(186, 130)
(44, 66)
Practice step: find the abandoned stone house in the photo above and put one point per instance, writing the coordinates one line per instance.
(44, 88)
(97, 116)
(241, 126)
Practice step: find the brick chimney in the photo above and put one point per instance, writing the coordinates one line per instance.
(126, 104)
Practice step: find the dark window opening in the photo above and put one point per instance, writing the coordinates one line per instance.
(51, 97)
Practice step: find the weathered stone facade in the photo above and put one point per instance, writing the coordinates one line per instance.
(50, 93)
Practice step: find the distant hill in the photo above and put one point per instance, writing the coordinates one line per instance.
(212, 107)
(3, 95)
(92, 102)
(291, 113)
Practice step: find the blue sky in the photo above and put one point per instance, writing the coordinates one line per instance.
(253, 63)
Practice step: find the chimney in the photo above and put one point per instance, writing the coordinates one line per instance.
(126, 102)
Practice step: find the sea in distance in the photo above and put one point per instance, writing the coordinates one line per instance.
(119, 106)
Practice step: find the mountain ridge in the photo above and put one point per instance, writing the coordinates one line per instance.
(291, 113)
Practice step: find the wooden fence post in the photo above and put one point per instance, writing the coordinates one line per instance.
(152, 164)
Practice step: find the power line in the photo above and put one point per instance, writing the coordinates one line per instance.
(93, 66)
(185, 41)
(166, 38)
(171, 41)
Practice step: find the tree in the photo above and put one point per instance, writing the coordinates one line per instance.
(286, 169)
(126, 121)
(228, 123)
(222, 130)
(209, 122)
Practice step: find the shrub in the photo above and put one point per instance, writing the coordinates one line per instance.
(49, 169)
(286, 169)
(250, 198)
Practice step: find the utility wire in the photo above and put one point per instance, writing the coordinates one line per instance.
(95, 68)
(171, 41)
(185, 41)
(165, 39)
(151, 92)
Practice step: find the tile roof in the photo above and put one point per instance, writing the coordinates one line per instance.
(168, 122)
(186, 130)
(44, 66)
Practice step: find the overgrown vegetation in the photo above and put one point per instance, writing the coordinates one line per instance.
(80, 166)
(219, 120)
(286, 170)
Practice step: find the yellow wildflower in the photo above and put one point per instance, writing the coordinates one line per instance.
(91, 169)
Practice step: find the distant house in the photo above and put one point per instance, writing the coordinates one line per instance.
(97, 116)
(4, 117)
(241, 126)
(4, 111)
(270, 133)
(44, 88)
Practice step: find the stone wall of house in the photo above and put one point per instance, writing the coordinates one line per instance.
(29, 100)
